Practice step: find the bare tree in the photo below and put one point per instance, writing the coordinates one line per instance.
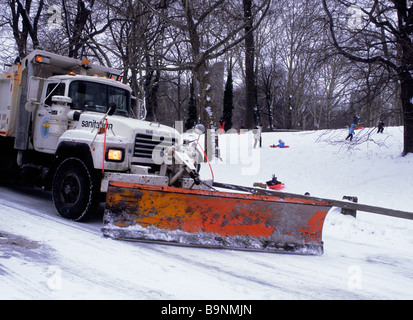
(378, 32)
(23, 24)
(206, 30)
(82, 23)
(271, 83)
(332, 87)
(299, 44)
(200, 24)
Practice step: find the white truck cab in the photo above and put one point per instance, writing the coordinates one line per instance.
(64, 123)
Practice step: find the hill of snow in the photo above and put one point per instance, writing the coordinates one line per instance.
(324, 164)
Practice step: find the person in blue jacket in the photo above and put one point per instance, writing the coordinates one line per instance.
(281, 144)
(350, 132)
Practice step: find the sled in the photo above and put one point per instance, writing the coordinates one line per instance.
(273, 146)
(240, 220)
(279, 186)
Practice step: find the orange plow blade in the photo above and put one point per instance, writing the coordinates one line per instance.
(214, 219)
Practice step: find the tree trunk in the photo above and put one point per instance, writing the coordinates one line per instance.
(406, 84)
(28, 25)
(79, 24)
(201, 72)
(207, 115)
(405, 45)
(151, 94)
(250, 117)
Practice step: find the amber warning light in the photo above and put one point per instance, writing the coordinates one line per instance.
(86, 64)
(42, 59)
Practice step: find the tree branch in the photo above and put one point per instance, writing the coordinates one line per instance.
(342, 51)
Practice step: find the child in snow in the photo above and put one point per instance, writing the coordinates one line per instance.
(273, 181)
(350, 132)
(281, 144)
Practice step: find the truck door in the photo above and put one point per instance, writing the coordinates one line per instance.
(42, 139)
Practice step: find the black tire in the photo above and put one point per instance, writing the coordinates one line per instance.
(8, 165)
(74, 190)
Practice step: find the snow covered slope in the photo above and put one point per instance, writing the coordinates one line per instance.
(43, 256)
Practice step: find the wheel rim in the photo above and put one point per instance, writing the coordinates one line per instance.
(70, 189)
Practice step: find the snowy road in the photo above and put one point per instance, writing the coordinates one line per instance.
(43, 256)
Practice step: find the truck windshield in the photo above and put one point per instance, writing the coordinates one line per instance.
(92, 96)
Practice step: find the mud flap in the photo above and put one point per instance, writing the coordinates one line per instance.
(214, 219)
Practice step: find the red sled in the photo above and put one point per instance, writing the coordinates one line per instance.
(273, 146)
(277, 186)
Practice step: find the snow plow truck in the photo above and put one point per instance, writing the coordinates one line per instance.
(68, 126)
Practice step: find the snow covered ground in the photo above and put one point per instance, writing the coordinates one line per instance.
(43, 256)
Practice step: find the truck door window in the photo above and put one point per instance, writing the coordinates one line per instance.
(121, 98)
(54, 89)
(92, 96)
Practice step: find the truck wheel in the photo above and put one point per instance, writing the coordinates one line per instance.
(8, 165)
(74, 190)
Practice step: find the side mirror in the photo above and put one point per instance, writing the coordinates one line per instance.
(199, 129)
(33, 92)
(30, 105)
(35, 88)
(112, 109)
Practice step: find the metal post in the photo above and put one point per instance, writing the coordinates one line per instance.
(347, 211)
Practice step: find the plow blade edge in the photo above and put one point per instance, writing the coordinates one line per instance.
(214, 219)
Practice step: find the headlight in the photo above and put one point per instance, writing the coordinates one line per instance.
(116, 155)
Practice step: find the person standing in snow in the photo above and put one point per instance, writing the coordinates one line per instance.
(221, 125)
(356, 122)
(380, 126)
(351, 132)
(257, 136)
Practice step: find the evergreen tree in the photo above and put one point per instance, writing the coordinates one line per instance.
(192, 114)
(228, 101)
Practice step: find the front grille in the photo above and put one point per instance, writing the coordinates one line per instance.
(146, 143)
